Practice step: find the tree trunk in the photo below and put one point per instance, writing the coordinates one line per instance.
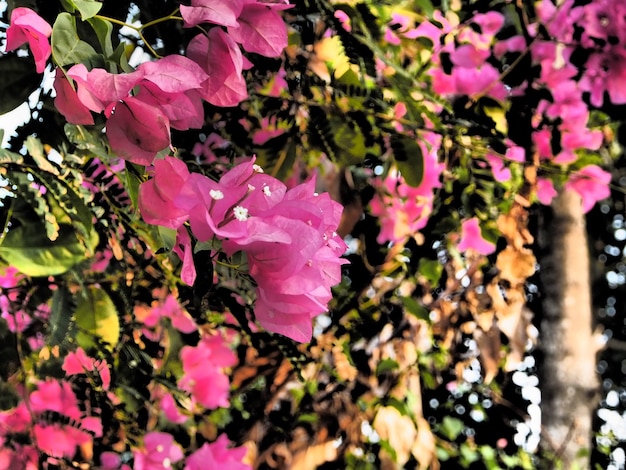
(568, 348)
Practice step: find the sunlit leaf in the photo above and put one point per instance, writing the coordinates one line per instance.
(67, 47)
(97, 319)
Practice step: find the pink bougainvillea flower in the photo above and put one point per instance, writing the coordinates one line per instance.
(68, 103)
(203, 371)
(404, 210)
(159, 452)
(170, 409)
(98, 89)
(183, 110)
(261, 29)
(112, 461)
(217, 455)
(16, 420)
(137, 131)
(592, 183)
(220, 12)
(220, 57)
(158, 196)
(471, 238)
(173, 74)
(58, 438)
(28, 27)
(545, 191)
(78, 362)
(170, 308)
(18, 457)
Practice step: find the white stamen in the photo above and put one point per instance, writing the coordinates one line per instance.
(216, 194)
(257, 168)
(267, 191)
(316, 194)
(167, 463)
(241, 213)
(159, 448)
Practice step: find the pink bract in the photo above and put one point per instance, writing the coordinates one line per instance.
(217, 455)
(220, 57)
(28, 27)
(137, 131)
(471, 238)
(220, 12)
(592, 184)
(159, 452)
(260, 29)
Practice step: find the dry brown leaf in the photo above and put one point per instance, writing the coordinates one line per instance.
(516, 265)
(398, 430)
(490, 354)
(313, 456)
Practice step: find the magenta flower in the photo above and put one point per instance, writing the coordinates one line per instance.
(98, 89)
(28, 27)
(472, 239)
(159, 452)
(61, 439)
(203, 371)
(545, 191)
(68, 102)
(404, 210)
(217, 455)
(261, 29)
(592, 183)
(158, 196)
(170, 308)
(21, 457)
(221, 59)
(220, 12)
(137, 131)
(78, 362)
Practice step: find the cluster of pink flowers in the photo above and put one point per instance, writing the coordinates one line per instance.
(142, 106)
(288, 235)
(403, 209)
(12, 306)
(203, 371)
(160, 451)
(50, 435)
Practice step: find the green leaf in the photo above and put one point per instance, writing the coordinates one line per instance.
(132, 180)
(104, 30)
(431, 269)
(97, 319)
(350, 141)
(28, 249)
(35, 149)
(67, 47)
(60, 316)
(409, 158)
(19, 80)
(386, 365)
(414, 308)
(87, 8)
(451, 427)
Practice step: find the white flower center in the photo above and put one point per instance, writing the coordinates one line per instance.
(257, 168)
(216, 194)
(167, 463)
(241, 213)
(267, 191)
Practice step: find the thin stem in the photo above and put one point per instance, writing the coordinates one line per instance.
(139, 29)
